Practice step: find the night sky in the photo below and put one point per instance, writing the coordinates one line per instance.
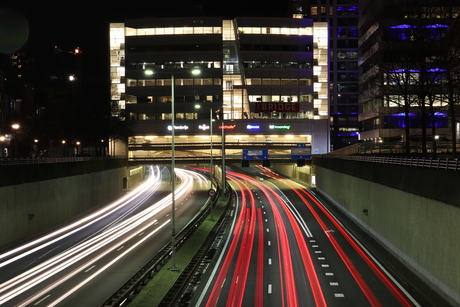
(37, 26)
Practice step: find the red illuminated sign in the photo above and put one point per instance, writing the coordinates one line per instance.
(227, 127)
(277, 107)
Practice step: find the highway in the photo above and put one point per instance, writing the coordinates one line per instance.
(85, 262)
(285, 248)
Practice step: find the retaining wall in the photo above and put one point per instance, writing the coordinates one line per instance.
(37, 198)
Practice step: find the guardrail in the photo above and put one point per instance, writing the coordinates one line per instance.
(425, 162)
(203, 159)
(369, 148)
(217, 144)
(28, 161)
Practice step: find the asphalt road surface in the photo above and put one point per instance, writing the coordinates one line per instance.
(286, 249)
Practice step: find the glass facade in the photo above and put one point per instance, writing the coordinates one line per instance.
(342, 17)
(276, 71)
(405, 94)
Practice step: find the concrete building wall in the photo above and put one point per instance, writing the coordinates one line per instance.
(423, 231)
(30, 207)
(301, 173)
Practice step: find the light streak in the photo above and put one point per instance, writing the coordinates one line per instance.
(78, 225)
(111, 239)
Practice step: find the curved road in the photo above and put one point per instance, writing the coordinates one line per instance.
(85, 262)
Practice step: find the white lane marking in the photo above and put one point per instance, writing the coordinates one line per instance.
(90, 268)
(269, 261)
(329, 274)
(333, 283)
(339, 295)
(269, 289)
(269, 243)
(42, 300)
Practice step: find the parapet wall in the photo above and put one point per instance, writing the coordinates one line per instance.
(414, 212)
(37, 198)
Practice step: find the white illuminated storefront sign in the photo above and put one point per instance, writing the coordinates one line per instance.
(203, 127)
(280, 127)
(181, 127)
(252, 127)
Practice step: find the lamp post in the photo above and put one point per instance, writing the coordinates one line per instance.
(173, 180)
(211, 171)
(15, 128)
(210, 141)
(173, 175)
(223, 158)
(2, 139)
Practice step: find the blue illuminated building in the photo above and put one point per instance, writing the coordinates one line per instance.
(402, 76)
(342, 16)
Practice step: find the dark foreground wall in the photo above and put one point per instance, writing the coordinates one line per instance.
(414, 212)
(37, 198)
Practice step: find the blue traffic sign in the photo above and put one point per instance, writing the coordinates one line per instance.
(255, 154)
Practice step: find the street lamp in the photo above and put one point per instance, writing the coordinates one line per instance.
(15, 128)
(173, 174)
(211, 171)
(223, 157)
(2, 139)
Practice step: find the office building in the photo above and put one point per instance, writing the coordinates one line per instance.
(342, 17)
(262, 80)
(405, 71)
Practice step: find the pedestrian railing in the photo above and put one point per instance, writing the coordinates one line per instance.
(425, 162)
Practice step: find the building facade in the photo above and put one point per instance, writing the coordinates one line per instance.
(406, 72)
(258, 79)
(342, 17)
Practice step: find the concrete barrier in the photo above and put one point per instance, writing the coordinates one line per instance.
(37, 198)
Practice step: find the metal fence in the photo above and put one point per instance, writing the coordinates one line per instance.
(425, 162)
(392, 148)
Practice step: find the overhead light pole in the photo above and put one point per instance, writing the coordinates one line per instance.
(211, 170)
(224, 182)
(15, 128)
(173, 174)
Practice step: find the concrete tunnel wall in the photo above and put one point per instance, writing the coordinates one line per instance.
(414, 212)
(37, 198)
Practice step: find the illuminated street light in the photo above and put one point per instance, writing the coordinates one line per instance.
(2, 139)
(15, 128)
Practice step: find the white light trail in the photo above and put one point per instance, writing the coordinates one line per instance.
(96, 247)
(78, 225)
